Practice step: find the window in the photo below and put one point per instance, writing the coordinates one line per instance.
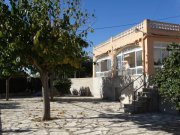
(103, 65)
(131, 59)
(160, 52)
(139, 58)
(159, 55)
(119, 62)
(108, 64)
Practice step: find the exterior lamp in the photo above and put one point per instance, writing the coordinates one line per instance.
(136, 30)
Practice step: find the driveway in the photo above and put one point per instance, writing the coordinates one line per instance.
(81, 116)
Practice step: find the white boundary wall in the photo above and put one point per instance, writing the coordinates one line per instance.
(108, 88)
(94, 84)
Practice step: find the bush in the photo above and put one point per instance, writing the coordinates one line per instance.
(168, 78)
(85, 91)
(63, 85)
(75, 92)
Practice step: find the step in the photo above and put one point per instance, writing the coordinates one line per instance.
(145, 94)
(148, 89)
(138, 103)
(142, 98)
(129, 108)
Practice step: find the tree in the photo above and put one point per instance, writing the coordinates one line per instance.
(85, 70)
(9, 65)
(44, 34)
(168, 78)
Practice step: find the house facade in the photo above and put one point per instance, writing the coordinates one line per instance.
(136, 51)
(122, 64)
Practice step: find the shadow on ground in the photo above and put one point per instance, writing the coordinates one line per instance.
(9, 105)
(78, 99)
(150, 121)
(0, 124)
(15, 131)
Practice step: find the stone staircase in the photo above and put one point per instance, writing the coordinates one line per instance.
(146, 101)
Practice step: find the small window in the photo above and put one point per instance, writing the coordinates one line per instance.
(108, 64)
(119, 62)
(139, 58)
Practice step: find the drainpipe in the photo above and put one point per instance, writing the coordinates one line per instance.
(144, 56)
(94, 66)
(144, 62)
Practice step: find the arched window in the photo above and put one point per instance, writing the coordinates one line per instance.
(129, 61)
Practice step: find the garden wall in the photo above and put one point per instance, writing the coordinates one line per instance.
(93, 84)
(106, 87)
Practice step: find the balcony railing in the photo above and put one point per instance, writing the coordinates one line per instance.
(103, 74)
(140, 26)
(164, 26)
(130, 71)
(129, 31)
(122, 34)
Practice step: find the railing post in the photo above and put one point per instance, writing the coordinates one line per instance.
(144, 80)
(134, 102)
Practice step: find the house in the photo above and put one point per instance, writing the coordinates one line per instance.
(122, 65)
(140, 49)
(129, 58)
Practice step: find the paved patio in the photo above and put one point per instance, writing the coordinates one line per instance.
(84, 116)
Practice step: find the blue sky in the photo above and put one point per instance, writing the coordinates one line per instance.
(121, 12)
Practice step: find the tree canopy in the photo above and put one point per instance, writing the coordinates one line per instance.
(168, 78)
(43, 35)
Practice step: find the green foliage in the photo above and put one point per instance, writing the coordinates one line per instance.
(75, 92)
(63, 85)
(168, 78)
(43, 33)
(85, 91)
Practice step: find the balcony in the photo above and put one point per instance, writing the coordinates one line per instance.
(104, 74)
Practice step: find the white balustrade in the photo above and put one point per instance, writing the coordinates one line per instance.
(164, 26)
(152, 25)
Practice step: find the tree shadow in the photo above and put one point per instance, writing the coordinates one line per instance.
(78, 99)
(14, 131)
(0, 124)
(150, 121)
(9, 105)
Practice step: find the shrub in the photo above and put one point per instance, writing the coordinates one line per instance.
(168, 78)
(75, 92)
(85, 91)
(63, 85)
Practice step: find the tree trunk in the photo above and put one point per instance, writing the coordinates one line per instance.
(51, 86)
(7, 88)
(45, 94)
